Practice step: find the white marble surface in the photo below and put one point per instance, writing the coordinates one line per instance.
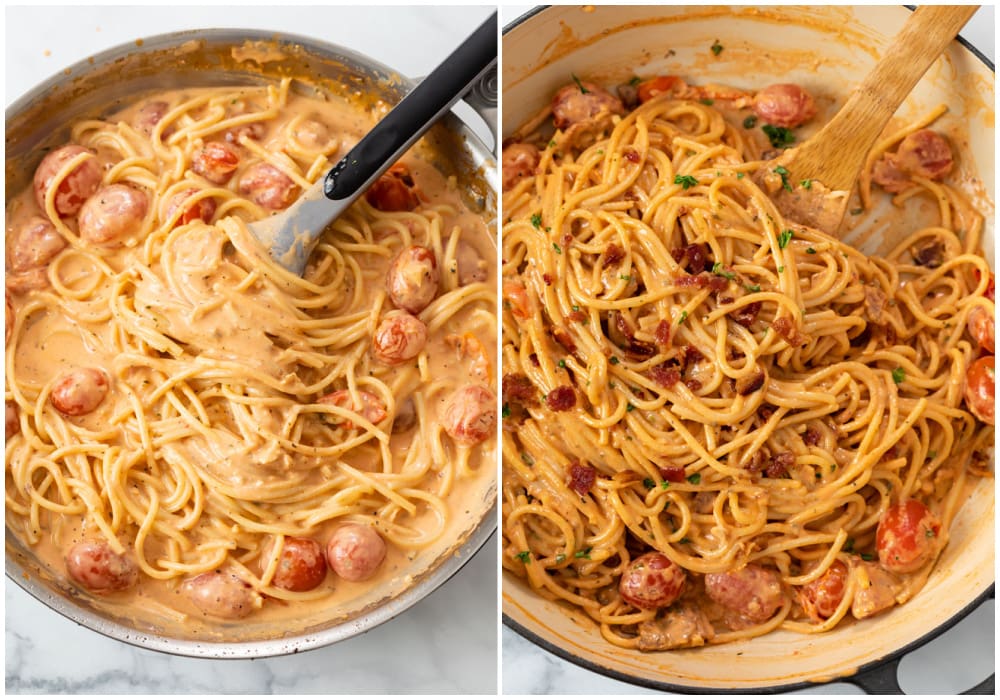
(447, 643)
(961, 658)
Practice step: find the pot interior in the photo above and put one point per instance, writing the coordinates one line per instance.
(121, 76)
(826, 50)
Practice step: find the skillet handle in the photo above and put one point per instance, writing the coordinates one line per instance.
(881, 680)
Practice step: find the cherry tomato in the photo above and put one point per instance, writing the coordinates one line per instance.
(302, 565)
(821, 598)
(980, 388)
(652, 581)
(907, 536)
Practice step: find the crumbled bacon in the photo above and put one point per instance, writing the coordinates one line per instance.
(581, 478)
(746, 315)
(756, 462)
(635, 349)
(547, 278)
(563, 337)
(576, 316)
(747, 385)
(567, 238)
(691, 354)
(613, 255)
(765, 412)
(631, 155)
(673, 474)
(692, 384)
(930, 254)
(875, 300)
(811, 437)
(778, 466)
(562, 398)
(662, 334)
(518, 387)
(702, 280)
(533, 358)
(665, 376)
(693, 258)
(787, 329)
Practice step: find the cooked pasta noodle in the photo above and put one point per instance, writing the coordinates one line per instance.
(689, 373)
(240, 407)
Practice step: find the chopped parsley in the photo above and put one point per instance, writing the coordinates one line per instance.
(505, 411)
(783, 171)
(781, 268)
(707, 101)
(857, 210)
(583, 553)
(536, 220)
(552, 143)
(740, 176)
(684, 317)
(752, 287)
(868, 556)
(684, 540)
(717, 47)
(561, 363)
(524, 556)
(634, 81)
(614, 360)
(929, 534)
(629, 408)
(648, 483)
(779, 136)
(932, 454)
(576, 80)
(527, 459)
(849, 545)
(685, 181)
(575, 307)
(560, 558)
(555, 247)
(750, 122)
(722, 272)
(784, 237)
(664, 484)
(811, 250)
(806, 184)
(694, 479)
(899, 375)
(627, 278)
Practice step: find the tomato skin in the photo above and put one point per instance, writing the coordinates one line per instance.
(907, 536)
(980, 389)
(301, 566)
(652, 581)
(982, 329)
(648, 89)
(753, 591)
(821, 598)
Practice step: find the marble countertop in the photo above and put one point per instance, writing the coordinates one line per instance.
(956, 661)
(447, 643)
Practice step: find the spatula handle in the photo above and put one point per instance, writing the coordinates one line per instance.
(423, 106)
(856, 127)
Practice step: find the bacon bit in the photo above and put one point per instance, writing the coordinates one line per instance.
(693, 258)
(662, 334)
(692, 384)
(665, 376)
(562, 398)
(614, 254)
(518, 388)
(533, 357)
(576, 316)
(787, 329)
(632, 155)
(635, 349)
(726, 300)
(811, 437)
(746, 315)
(756, 462)
(765, 412)
(875, 300)
(691, 354)
(702, 280)
(547, 278)
(748, 385)
(930, 254)
(562, 336)
(567, 238)
(779, 464)
(581, 478)
(673, 474)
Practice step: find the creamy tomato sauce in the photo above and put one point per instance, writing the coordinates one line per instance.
(232, 389)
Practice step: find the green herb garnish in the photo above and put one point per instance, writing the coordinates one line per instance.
(583, 553)
(561, 363)
(634, 81)
(555, 247)
(779, 136)
(694, 479)
(576, 80)
(806, 184)
(684, 317)
(783, 171)
(899, 375)
(811, 250)
(717, 47)
(752, 287)
(750, 122)
(524, 556)
(536, 220)
(648, 483)
(527, 459)
(505, 411)
(614, 360)
(784, 237)
(685, 181)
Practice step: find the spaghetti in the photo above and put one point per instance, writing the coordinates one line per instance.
(185, 416)
(718, 422)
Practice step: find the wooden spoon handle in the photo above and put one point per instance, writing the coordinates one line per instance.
(836, 152)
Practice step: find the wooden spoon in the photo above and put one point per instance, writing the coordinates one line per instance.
(831, 160)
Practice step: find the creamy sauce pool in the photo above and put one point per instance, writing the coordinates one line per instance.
(211, 311)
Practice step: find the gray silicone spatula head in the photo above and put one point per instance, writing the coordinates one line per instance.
(290, 235)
